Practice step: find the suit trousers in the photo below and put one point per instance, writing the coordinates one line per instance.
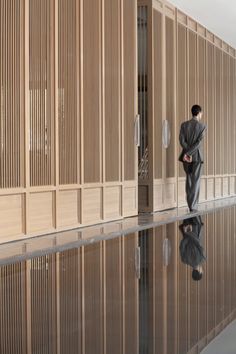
(193, 179)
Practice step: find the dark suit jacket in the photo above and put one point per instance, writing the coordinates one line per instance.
(191, 250)
(190, 137)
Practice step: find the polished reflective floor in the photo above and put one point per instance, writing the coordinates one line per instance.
(167, 290)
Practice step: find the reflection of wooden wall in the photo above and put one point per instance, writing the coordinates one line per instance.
(83, 300)
(187, 65)
(68, 106)
(185, 315)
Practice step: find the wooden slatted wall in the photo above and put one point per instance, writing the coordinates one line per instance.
(68, 77)
(11, 87)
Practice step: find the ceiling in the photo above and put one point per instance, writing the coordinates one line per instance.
(219, 16)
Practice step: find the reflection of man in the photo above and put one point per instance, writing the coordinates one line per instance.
(191, 250)
(190, 138)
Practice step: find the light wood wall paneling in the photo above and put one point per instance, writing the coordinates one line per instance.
(131, 306)
(68, 91)
(129, 88)
(183, 318)
(218, 140)
(210, 110)
(210, 272)
(111, 77)
(93, 299)
(12, 311)
(41, 76)
(182, 109)
(113, 296)
(157, 93)
(170, 94)
(172, 292)
(92, 91)
(10, 115)
(202, 288)
(43, 304)
(70, 301)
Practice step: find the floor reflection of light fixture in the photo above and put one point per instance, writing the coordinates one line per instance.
(166, 252)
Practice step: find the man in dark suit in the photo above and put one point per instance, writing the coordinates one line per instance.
(190, 138)
(191, 250)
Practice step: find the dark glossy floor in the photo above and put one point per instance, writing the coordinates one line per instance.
(125, 295)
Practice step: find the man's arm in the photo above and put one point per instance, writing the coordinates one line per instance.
(182, 139)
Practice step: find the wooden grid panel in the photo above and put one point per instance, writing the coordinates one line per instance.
(70, 301)
(158, 92)
(68, 92)
(92, 120)
(170, 95)
(192, 67)
(43, 304)
(210, 109)
(218, 115)
(224, 127)
(11, 88)
(12, 309)
(112, 90)
(129, 88)
(182, 110)
(41, 140)
(201, 91)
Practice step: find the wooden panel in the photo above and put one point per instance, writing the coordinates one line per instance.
(130, 201)
(225, 186)
(158, 193)
(92, 205)
(157, 295)
(13, 309)
(131, 317)
(68, 208)
(40, 212)
(183, 318)
(224, 126)
(170, 96)
(11, 88)
(130, 87)
(218, 117)
(170, 194)
(113, 305)
(203, 190)
(40, 92)
(68, 91)
(181, 193)
(112, 88)
(70, 301)
(210, 274)
(92, 90)
(93, 285)
(171, 296)
(218, 187)
(43, 304)
(157, 92)
(11, 222)
(192, 65)
(210, 188)
(112, 202)
(210, 138)
(182, 110)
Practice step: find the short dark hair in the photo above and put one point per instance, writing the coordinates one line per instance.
(196, 275)
(196, 109)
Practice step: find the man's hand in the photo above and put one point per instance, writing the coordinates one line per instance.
(187, 158)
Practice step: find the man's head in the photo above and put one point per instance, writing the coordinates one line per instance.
(197, 273)
(196, 111)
